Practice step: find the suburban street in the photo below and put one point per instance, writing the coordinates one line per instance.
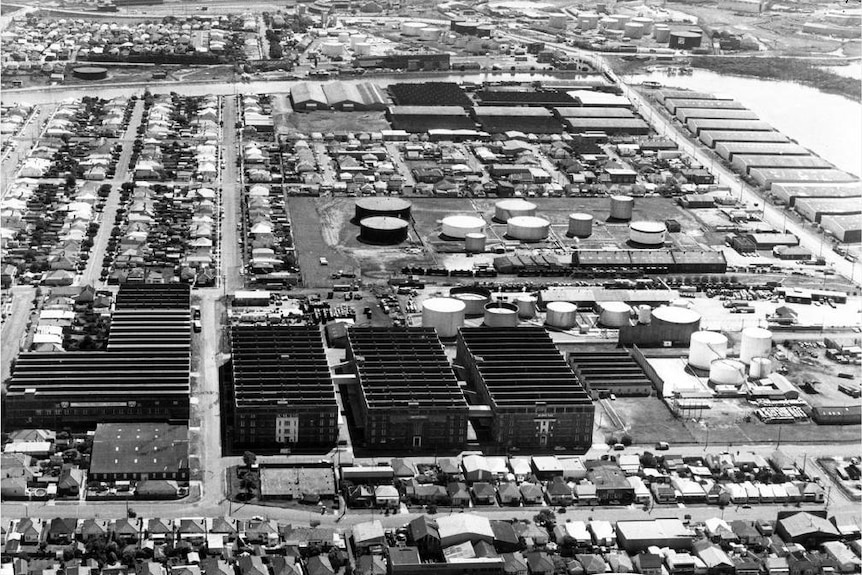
(106, 223)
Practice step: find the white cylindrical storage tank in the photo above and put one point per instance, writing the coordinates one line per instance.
(706, 347)
(661, 33)
(727, 372)
(644, 314)
(528, 228)
(458, 227)
(588, 21)
(607, 23)
(621, 19)
(446, 314)
(362, 49)
(356, 39)
(412, 28)
(505, 209)
(580, 225)
(756, 342)
(344, 37)
(646, 23)
(501, 314)
(647, 233)
(615, 314)
(558, 20)
(331, 48)
(526, 306)
(634, 30)
(475, 243)
(475, 299)
(430, 33)
(760, 367)
(622, 207)
(561, 314)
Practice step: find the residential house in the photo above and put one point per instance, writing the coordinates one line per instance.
(127, 530)
(30, 531)
(423, 533)
(515, 564)
(509, 494)
(716, 560)
(69, 482)
(591, 563)
(539, 563)
(559, 492)
(62, 530)
(531, 534)
(484, 493)
(506, 539)
(586, 493)
(319, 565)
(647, 563)
(92, 529)
(459, 495)
(192, 530)
(371, 565)
(531, 493)
(287, 565)
(252, 565)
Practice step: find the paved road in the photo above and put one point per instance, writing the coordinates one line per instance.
(14, 327)
(25, 139)
(100, 244)
(231, 192)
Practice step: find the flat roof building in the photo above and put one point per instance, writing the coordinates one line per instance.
(672, 104)
(611, 371)
(535, 397)
(845, 228)
(632, 126)
(596, 112)
(765, 177)
(637, 535)
(745, 162)
(282, 393)
(813, 209)
(409, 397)
(698, 125)
(686, 114)
(140, 451)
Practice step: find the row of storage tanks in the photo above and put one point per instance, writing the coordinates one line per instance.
(359, 43)
(708, 352)
(447, 314)
(638, 27)
(523, 224)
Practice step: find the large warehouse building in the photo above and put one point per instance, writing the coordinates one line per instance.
(143, 375)
(140, 451)
(536, 400)
(409, 397)
(611, 371)
(282, 390)
(790, 193)
(716, 138)
(499, 119)
(425, 118)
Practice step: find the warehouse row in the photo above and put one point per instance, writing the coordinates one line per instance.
(770, 160)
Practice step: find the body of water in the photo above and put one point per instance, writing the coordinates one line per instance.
(827, 124)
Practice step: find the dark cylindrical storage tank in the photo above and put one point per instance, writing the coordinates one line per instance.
(685, 40)
(389, 207)
(383, 230)
(90, 73)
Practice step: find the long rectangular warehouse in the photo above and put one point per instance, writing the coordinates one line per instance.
(673, 104)
(577, 112)
(813, 209)
(410, 398)
(80, 388)
(790, 193)
(662, 95)
(498, 119)
(744, 162)
(596, 98)
(765, 177)
(847, 229)
(633, 126)
(611, 371)
(697, 125)
(535, 397)
(685, 114)
(729, 150)
(714, 137)
(282, 390)
(424, 118)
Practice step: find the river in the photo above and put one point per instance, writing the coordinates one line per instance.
(827, 124)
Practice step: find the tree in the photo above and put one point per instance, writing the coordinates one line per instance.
(249, 458)
(648, 459)
(626, 439)
(545, 517)
(611, 440)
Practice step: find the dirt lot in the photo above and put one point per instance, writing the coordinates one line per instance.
(307, 122)
(781, 33)
(648, 420)
(802, 367)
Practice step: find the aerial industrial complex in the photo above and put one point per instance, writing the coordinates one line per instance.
(393, 288)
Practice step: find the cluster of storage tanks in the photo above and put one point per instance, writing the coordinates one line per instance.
(382, 220)
(708, 351)
(521, 220)
(336, 45)
(623, 26)
(421, 31)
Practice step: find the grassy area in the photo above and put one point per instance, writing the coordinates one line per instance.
(647, 420)
(806, 72)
